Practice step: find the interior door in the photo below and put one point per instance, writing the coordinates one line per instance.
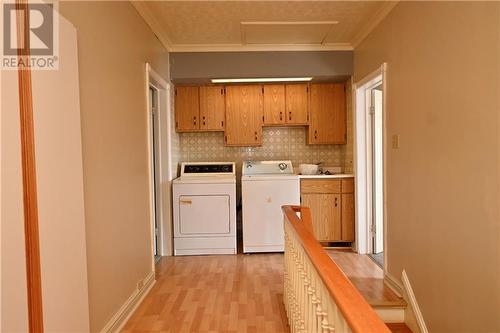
(215, 210)
(377, 171)
(155, 162)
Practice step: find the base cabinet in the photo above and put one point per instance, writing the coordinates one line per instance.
(332, 208)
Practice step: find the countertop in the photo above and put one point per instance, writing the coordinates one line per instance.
(339, 175)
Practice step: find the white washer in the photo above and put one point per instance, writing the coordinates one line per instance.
(204, 208)
(265, 187)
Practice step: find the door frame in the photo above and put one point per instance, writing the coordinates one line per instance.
(163, 153)
(362, 155)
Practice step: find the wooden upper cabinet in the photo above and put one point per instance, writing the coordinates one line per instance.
(212, 108)
(327, 114)
(274, 104)
(297, 104)
(187, 108)
(244, 115)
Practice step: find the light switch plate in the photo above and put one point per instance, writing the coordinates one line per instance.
(395, 141)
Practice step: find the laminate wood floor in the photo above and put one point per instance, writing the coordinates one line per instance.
(231, 293)
(367, 277)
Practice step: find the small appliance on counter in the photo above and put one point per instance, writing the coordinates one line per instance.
(330, 170)
(316, 169)
(204, 209)
(265, 187)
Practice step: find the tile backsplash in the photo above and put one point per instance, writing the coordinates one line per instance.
(279, 143)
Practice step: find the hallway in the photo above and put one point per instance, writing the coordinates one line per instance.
(241, 293)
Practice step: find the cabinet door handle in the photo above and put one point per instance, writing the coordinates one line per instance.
(281, 116)
(289, 115)
(336, 201)
(315, 134)
(194, 120)
(256, 137)
(222, 123)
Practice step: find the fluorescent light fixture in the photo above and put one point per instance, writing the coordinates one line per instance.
(262, 79)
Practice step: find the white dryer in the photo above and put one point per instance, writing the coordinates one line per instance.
(265, 187)
(204, 209)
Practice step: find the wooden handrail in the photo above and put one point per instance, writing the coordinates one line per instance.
(358, 314)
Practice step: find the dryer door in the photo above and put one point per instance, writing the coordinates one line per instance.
(204, 214)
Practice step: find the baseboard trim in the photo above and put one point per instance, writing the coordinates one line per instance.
(120, 318)
(393, 284)
(412, 300)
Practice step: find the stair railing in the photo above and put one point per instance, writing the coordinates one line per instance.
(318, 296)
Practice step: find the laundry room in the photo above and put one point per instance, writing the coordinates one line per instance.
(245, 108)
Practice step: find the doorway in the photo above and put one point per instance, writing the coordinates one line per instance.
(159, 126)
(369, 119)
(376, 174)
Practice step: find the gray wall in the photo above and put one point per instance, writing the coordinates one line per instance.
(194, 67)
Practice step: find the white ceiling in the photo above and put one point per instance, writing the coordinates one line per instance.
(262, 25)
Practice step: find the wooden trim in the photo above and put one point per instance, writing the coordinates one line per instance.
(121, 317)
(357, 312)
(259, 47)
(413, 303)
(33, 275)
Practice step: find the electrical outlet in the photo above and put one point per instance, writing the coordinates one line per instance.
(395, 141)
(140, 284)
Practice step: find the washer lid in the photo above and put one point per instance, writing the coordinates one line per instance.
(267, 168)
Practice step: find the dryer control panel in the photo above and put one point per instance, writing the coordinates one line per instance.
(190, 169)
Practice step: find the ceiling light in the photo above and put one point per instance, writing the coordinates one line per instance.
(264, 79)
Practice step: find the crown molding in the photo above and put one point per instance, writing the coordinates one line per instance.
(151, 21)
(145, 12)
(373, 22)
(259, 47)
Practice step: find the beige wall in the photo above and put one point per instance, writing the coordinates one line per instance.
(443, 183)
(113, 45)
(59, 179)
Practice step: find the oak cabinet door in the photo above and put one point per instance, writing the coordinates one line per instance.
(318, 204)
(274, 104)
(244, 115)
(212, 108)
(327, 114)
(334, 225)
(187, 108)
(325, 215)
(297, 104)
(348, 217)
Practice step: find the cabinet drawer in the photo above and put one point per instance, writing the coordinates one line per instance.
(320, 186)
(348, 185)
